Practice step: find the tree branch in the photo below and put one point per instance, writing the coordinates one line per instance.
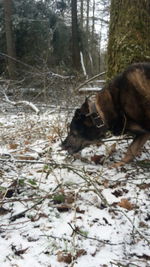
(26, 103)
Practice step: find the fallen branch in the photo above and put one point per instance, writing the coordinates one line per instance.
(26, 103)
(22, 213)
(89, 80)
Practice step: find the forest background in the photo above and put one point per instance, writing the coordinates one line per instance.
(53, 45)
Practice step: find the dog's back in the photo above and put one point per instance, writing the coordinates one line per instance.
(127, 97)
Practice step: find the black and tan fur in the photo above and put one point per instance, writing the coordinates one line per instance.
(124, 107)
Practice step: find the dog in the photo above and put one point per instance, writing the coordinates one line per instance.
(86, 128)
(122, 107)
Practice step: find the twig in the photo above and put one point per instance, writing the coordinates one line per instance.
(89, 80)
(119, 264)
(106, 242)
(21, 214)
(143, 236)
(117, 139)
(57, 237)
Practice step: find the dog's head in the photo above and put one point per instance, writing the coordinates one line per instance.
(86, 128)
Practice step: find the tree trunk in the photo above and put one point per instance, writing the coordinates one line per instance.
(129, 34)
(75, 37)
(9, 37)
(87, 17)
(93, 19)
(81, 14)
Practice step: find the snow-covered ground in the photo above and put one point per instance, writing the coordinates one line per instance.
(63, 211)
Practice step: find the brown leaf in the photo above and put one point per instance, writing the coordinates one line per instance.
(81, 252)
(70, 198)
(64, 257)
(26, 158)
(124, 203)
(80, 211)
(106, 183)
(98, 159)
(13, 146)
(27, 142)
(143, 225)
(144, 186)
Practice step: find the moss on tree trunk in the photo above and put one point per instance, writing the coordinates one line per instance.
(129, 34)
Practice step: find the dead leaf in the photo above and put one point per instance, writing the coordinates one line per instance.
(143, 225)
(144, 186)
(26, 158)
(106, 183)
(117, 193)
(80, 253)
(70, 198)
(80, 211)
(64, 257)
(98, 159)
(124, 203)
(18, 252)
(3, 211)
(26, 142)
(13, 146)
(63, 208)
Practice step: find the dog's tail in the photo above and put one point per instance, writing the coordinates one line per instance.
(140, 81)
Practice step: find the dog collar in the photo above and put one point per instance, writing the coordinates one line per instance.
(96, 119)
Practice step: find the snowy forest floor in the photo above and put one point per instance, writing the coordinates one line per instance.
(57, 210)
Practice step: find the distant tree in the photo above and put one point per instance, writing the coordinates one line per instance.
(87, 15)
(129, 34)
(75, 36)
(40, 35)
(10, 44)
(81, 13)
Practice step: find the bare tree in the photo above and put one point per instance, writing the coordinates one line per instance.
(87, 16)
(81, 13)
(9, 37)
(93, 18)
(75, 36)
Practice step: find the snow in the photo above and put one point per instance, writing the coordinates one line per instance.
(89, 223)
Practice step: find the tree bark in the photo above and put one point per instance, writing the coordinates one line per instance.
(129, 34)
(81, 14)
(93, 19)
(87, 17)
(75, 37)
(9, 37)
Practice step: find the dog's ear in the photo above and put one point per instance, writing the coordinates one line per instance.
(88, 107)
(105, 107)
(77, 113)
(85, 106)
(92, 107)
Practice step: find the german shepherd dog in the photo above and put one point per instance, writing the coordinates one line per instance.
(122, 106)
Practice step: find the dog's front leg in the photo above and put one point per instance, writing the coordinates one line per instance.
(133, 149)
